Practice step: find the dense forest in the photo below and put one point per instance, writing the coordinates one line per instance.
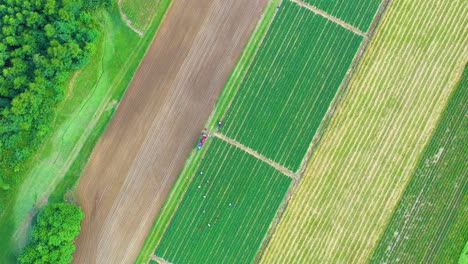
(41, 42)
(53, 235)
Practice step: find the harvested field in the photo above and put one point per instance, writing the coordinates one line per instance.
(371, 148)
(144, 148)
(226, 210)
(429, 224)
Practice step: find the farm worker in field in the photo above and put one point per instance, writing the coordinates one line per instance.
(204, 196)
(201, 227)
(220, 123)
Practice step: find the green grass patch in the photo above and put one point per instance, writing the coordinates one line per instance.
(464, 255)
(180, 186)
(88, 106)
(290, 85)
(358, 13)
(226, 210)
(429, 224)
(140, 12)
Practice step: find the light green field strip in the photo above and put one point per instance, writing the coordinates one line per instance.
(359, 171)
(464, 255)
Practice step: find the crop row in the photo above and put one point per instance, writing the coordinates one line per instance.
(290, 85)
(226, 210)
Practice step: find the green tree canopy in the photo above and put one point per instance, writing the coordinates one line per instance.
(41, 41)
(95, 4)
(53, 235)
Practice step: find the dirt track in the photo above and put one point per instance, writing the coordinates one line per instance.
(258, 156)
(140, 155)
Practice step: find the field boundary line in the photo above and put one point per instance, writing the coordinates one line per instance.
(275, 222)
(336, 20)
(257, 155)
(159, 260)
(341, 92)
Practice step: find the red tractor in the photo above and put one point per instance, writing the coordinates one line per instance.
(202, 140)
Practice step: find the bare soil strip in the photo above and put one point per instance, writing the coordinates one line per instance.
(258, 156)
(143, 150)
(330, 17)
(160, 260)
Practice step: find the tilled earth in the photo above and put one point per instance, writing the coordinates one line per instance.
(139, 157)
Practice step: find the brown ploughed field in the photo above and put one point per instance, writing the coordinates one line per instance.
(139, 157)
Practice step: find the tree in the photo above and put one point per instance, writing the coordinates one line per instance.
(53, 235)
(40, 43)
(95, 4)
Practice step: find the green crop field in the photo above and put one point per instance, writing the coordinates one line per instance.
(358, 13)
(430, 221)
(226, 210)
(140, 12)
(290, 84)
(372, 146)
